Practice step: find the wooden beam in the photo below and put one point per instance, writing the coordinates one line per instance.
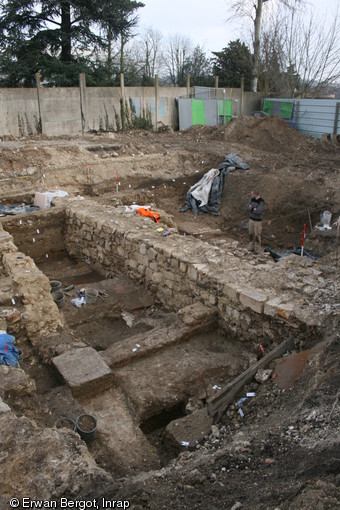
(218, 403)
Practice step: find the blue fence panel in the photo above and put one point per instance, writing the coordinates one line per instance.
(314, 117)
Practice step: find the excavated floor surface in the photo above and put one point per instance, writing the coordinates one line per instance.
(152, 390)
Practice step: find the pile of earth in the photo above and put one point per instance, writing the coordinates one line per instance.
(265, 133)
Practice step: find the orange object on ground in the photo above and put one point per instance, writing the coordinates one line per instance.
(151, 214)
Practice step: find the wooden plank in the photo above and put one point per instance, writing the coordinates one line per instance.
(218, 403)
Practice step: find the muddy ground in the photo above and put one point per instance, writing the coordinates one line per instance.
(297, 177)
(284, 453)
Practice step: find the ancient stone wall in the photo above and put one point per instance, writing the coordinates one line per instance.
(182, 270)
(27, 292)
(258, 303)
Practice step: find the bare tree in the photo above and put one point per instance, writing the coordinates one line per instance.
(312, 51)
(124, 35)
(177, 59)
(300, 54)
(253, 9)
(148, 53)
(143, 56)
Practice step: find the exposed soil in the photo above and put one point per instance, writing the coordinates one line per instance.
(297, 177)
(283, 451)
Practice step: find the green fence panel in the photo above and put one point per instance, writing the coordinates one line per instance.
(283, 109)
(224, 109)
(268, 107)
(286, 110)
(198, 113)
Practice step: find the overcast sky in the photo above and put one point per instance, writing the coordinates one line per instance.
(204, 22)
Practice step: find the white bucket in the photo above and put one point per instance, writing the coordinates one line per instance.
(91, 296)
(325, 218)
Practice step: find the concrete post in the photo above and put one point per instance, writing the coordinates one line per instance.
(188, 85)
(297, 111)
(216, 82)
(224, 98)
(83, 102)
(336, 120)
(122, 102)
(156, 101)
(122, 85)
(242, 95)
(37, 82)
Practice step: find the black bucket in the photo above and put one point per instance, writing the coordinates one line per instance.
(55, 285)
(58, 298)
(65, 423)
(86, 425)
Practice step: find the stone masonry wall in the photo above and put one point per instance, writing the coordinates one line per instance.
(182, 270)
(27, 291)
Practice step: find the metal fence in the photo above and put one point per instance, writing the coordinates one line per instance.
(311, 117)
(215, 106)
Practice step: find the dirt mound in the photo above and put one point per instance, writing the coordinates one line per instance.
(270, 134)
(265, 133)
(202, 131)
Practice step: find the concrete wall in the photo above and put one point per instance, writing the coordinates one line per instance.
(72, 111)
(60, 111)
(103, 106)
(19, 112)
(102, 109)
(250, 102)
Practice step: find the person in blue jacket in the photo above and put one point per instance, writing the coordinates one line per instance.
(255, 208)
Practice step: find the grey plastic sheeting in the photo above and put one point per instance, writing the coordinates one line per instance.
(14, 209)
(231, 162)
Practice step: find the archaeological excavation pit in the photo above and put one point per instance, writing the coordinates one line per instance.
(176, 319)
(129, 331)
(185, 322)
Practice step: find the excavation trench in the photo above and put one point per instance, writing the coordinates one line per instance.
(144, 390)
(185, 314)
(161, 338)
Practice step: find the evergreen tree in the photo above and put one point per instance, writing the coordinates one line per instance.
(57, 38)
(232, 63)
